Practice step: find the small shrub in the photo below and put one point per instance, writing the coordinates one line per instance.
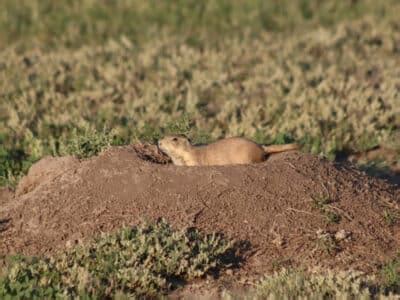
(142, 261)
(320, 201)
(201, 137)
(299, 284)
(332, 217)
(182, 125)
(147, 133)
(390, 274)
(327, 243)
(283, 138)
(322, 204)
(291, 284)
(390, 217)
(87, 142)
(151, 134)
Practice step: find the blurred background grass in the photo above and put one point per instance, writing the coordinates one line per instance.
(75, 23)
(323, 73)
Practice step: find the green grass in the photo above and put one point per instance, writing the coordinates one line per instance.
(391, 216)
(87, 142)
(322, 203)
(299, 284)
(390, 274)
(14, 162)
(295, 284)
(320, 88)
(144, 261)
(152, 259)
(74, 23)
(79, 76)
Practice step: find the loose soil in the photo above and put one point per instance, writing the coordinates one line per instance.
(294, 209)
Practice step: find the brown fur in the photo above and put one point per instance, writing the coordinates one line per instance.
(228, 151)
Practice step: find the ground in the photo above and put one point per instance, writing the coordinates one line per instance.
(293, 210)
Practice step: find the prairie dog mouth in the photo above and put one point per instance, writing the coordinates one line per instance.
(160, 148)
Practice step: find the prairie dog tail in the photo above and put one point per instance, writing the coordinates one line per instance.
(280, 148)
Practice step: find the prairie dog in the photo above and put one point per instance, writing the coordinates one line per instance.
(228, 151)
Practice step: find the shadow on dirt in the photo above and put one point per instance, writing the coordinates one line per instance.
(4, 224)
(378, 162)
(381, 171)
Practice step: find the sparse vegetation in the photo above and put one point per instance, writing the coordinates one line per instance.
(391, 216)
(299, 88)
(390, 274)
(50, 24)
(143, 261)
(87, 143)
(296, 284)
(322, 203)
(79, 76)
(326, 242)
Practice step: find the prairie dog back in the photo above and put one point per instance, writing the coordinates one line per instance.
(235, 150)
(228, 151)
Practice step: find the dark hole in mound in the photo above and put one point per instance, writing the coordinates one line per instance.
(4, 224)
(150, 152)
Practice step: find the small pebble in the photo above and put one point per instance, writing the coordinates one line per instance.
(229, 272)
(341, 235)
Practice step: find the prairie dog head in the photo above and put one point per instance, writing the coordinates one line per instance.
(176, 147)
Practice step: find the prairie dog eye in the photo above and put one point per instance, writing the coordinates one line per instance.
(174, 139)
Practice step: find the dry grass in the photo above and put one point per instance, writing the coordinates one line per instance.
(334, 90)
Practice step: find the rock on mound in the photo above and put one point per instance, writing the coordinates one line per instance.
(294, 208)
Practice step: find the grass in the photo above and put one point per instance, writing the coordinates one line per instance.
(79, 76)
(321, 203)
(88, 142)
(327, 284)
(144, 261)
(327, 243)
(391, 216)
(296, 284)
(74, 23)
(390, 274)
(152, 259)
(319, 88)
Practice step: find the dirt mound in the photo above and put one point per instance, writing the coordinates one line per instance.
(293, 209)
(44, 171)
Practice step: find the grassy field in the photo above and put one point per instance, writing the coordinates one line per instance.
(51, 24)
(78, 76)
(153, 69)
